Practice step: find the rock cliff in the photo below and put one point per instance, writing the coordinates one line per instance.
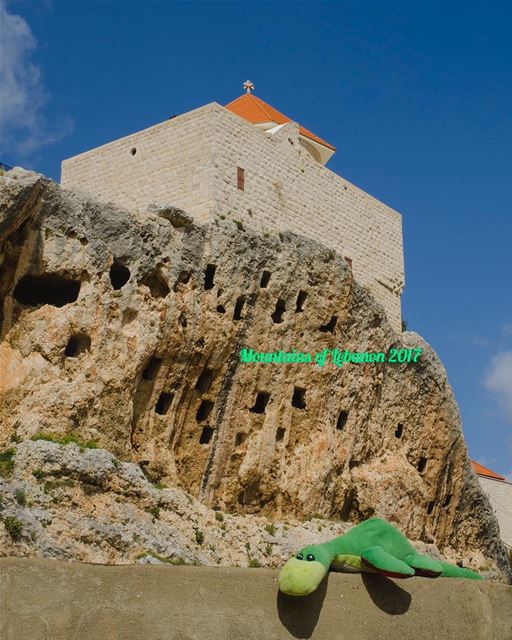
(124, 328)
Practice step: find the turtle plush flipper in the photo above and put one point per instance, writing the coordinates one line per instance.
(424, 566)
(386, 564)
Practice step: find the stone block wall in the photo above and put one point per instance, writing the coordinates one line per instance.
(192, 162)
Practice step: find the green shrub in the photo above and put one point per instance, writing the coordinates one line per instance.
(268, 549)
(178, 560)
(21, 497)
(38, 474)
(68, 438)
(155, 512)
(15, 438)
(239, 224)
(270, 528)
(14, 527)
(219, 517)
(199, 536)
(254, 563)
(6, 462)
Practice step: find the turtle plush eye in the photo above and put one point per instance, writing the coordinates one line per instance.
(299, 556)
(310, 557)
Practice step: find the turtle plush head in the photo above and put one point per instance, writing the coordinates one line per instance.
(302, 574)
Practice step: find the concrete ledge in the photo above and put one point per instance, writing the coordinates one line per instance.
(50, 599)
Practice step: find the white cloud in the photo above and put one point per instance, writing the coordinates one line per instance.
(498, 380)
(507, 328)
(22, 95)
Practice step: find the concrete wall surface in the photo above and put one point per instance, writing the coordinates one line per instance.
(54, 600)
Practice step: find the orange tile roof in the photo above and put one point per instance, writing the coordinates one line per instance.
(484, 471)
(251, 108)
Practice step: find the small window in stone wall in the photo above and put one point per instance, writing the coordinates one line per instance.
(399, 430)
(240, 178)
(422, 464)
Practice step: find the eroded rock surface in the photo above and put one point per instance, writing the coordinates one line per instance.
(125, 328)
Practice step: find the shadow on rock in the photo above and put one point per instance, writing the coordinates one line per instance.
(299, 614)
(386, 594)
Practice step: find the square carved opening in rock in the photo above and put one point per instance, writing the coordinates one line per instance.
(265, 278)
(119, 275)
(164, 403)
(51, 288)
(301, 299)
(330, 326)
(205, 379)
(342, 420)
(206, 435)
(156, 283)
(430, 507)
(204, 410)
(260, 404)
(422, 464)
(237, 314)
(240, 438)
(447, 500)
(299, 398)
(209, 274)
(399, 431)
(280, 434)
(277, 316)
(152, 368)
(77, 344)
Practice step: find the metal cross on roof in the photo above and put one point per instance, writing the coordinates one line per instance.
(248, 86)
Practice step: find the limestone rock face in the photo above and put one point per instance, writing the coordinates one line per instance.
(126, 328)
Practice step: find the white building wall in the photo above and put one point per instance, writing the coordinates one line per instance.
(500, 495)
(191, 162)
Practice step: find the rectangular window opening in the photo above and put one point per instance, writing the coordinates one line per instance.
(342, 420)
(260, 404)
(299, 398)
(209, 273)
(204, 410)
(164, 403)
(206, 435)
(152, 369)
(240, 178)
(265, 277)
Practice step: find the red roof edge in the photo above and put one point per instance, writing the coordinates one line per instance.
(484, 471)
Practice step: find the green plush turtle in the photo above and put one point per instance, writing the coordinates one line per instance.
(374, 546)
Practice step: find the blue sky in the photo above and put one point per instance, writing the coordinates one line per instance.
(416, 96)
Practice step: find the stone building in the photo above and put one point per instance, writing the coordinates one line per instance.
(500, 496)
(249, 163)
